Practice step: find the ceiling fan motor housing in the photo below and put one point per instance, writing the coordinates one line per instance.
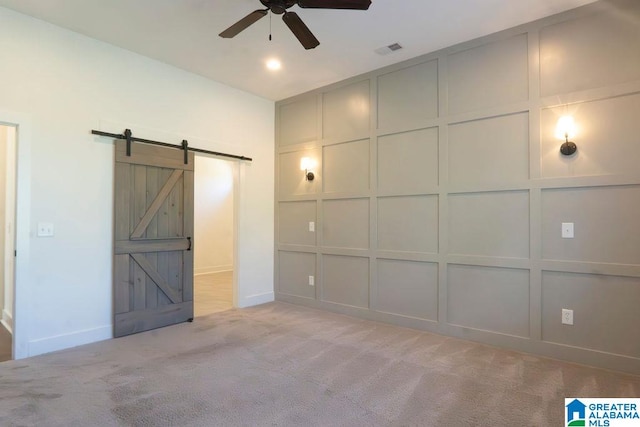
(278, 6)
(293, 21)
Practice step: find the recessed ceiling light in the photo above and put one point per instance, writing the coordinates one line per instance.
(274, 64)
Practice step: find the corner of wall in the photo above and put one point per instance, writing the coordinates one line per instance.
(7, 320)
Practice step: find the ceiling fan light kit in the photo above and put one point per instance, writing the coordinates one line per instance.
(291, 19)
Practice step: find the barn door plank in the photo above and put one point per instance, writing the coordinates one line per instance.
(139, 209)
(122, 284)
(175, 229)
(151, 246)
(122, 204)
(146, 266)
(122, 200)
(188, 202)
(155, 205)
(151, 233)
(163, 231)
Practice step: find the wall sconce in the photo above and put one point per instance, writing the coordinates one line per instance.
(307, 164)
(565, 129)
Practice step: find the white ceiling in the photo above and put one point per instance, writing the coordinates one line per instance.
(184, 33)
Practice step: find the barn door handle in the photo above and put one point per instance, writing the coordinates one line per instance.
(189, 239)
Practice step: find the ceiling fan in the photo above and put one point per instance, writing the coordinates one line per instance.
(293, 21)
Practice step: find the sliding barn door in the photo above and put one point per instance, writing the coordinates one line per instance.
(153, 277)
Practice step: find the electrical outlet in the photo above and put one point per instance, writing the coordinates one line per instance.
(312, 226)
(312, 281)
(567, 230)
(45, 229)
(567, 316)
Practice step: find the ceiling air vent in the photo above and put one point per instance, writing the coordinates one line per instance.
(388, 49)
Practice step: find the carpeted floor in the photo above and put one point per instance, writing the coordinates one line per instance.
(285, 365)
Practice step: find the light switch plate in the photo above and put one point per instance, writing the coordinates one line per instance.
(312, 226)
(312, 281)
(567, 230)
(45, 229)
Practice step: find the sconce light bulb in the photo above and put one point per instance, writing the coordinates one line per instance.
(307, 164)
(565, 128)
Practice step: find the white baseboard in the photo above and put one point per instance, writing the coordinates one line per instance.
(7, 321)
(212, 269)
(73, 339)
(257, 299)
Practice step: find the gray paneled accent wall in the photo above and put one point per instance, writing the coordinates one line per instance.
(440, 192)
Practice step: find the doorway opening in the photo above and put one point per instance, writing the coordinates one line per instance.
(215, 183)
(8, 138)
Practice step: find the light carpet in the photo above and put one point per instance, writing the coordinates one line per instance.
(285, 365)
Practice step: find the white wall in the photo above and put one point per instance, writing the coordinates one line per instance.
(213, 215)
(63, 85)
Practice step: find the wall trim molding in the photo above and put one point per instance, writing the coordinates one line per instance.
(443, 123)
(73, 339)
(257, 299)
(540, 348)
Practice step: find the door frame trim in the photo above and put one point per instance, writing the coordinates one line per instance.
(235, 167)
(20, 336)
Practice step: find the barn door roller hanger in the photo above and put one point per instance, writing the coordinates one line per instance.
(184, 146)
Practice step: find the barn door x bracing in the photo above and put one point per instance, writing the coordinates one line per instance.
(153, 277)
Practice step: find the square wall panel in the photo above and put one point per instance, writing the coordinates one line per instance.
(294, 271)
(605, 224)
(490, 151)
(489, 298)
(408, 161)
(345, 280)
(291, 179)
(408, 223)
(409, 96)
(293, 223)
(605, 311)
(606, 135)
(489, 224)
(489, 75)
(346, 223)
(346, 112)
(593, 51)
(346, 167)
(408, 288)
(298, 121)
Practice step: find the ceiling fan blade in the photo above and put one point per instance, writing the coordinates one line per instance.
(242, 24)
(300, 30)
(335, 4)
